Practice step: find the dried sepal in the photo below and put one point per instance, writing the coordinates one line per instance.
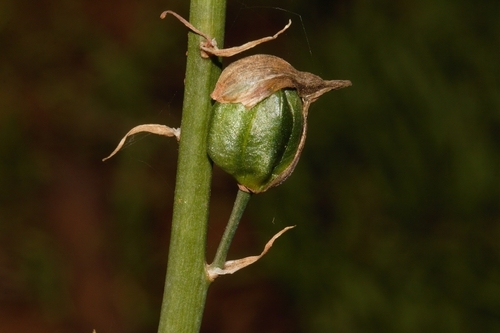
(232, 266)
(150, 128)
(254, 78)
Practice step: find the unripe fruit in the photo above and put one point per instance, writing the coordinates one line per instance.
(259, 120)
(257, 146)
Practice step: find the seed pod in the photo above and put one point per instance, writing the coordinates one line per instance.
(259, 120)
(258, 146)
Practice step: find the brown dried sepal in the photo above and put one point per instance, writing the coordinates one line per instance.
(252, 79)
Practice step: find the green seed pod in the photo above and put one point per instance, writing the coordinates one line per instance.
(259, 146)
(259, 120)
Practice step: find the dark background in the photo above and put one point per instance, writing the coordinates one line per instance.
(396, 196)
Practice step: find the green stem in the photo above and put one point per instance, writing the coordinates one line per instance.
(186, 283)
(240, 203)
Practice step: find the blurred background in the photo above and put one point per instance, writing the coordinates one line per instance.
(396, 197)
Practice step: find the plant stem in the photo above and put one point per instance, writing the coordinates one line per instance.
(186, 283)
(240, 203)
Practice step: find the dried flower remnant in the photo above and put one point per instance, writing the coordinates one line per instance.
(252, 79)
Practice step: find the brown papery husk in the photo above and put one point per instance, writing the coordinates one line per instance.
(252, 79)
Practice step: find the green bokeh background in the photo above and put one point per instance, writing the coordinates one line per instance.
(396, 196)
